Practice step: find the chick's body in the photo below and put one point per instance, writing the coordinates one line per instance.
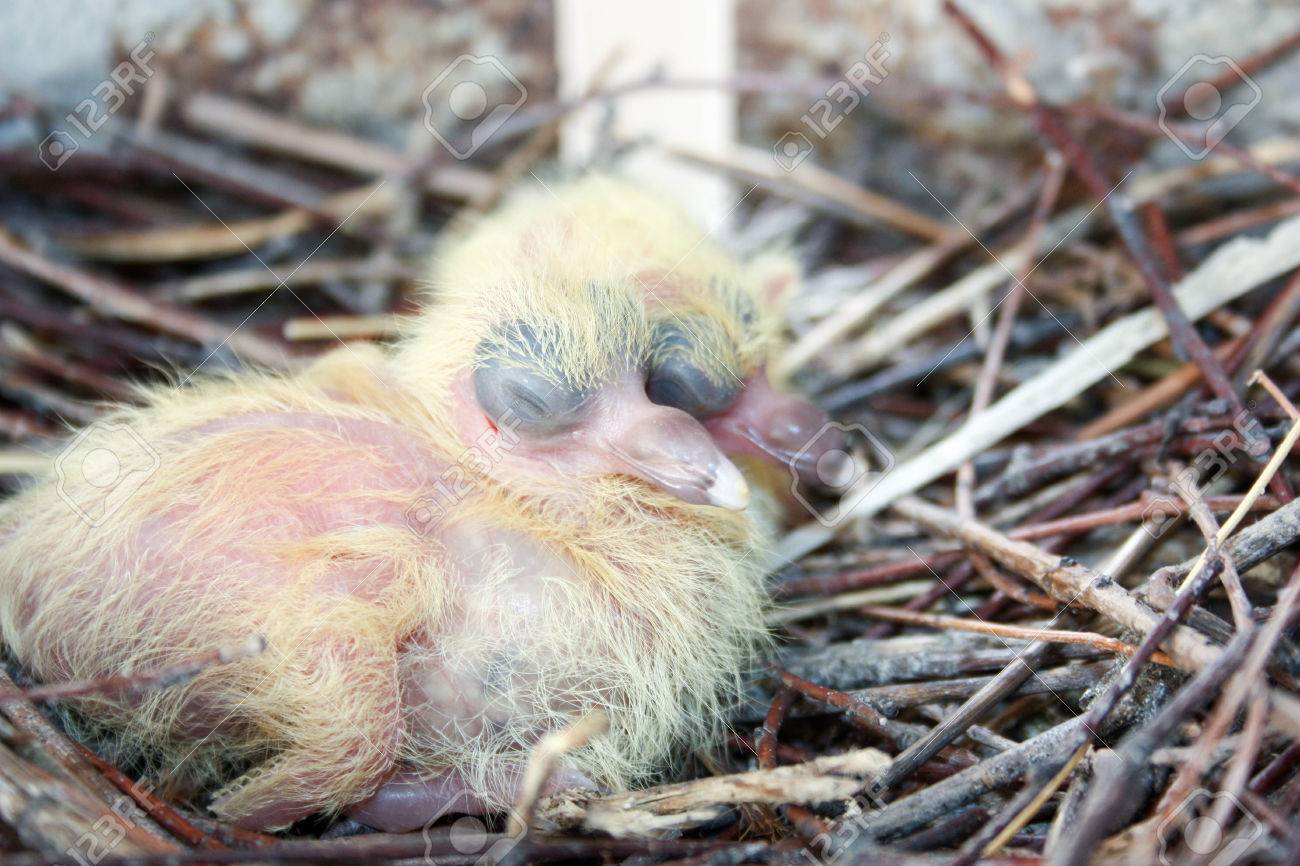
(439, 583)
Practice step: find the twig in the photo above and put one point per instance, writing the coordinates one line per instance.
(119, 302)
(1022, 817)
(541, 764)
(808, 182)
(1118, 207)
(1265, 476)
(897, 279)
(1107, 805)
(1066, 581)
(1231, 271)
(1243, 680)
(1033, 633)
(228, 118)
(167, 677)
(974, 708)
(1204, 519)
(987, 380)
(687, 804)
(344, 327)
(157, 809)
(863, 714)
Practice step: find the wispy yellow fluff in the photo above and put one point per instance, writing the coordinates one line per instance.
(281, 507)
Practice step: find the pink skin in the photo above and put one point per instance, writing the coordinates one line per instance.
(782, 429)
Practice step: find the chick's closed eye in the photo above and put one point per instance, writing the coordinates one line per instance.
(683, 375)
(513, 382)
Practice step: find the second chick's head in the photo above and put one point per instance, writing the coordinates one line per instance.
(601, 333)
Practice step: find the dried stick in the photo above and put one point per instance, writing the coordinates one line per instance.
(316, 270)
(1185, 337)
(1157, 396)
(20, 345)
(1127, 514)
(863, 714)
(218, 238)
(61, 819)
(1033, 633)
(687, 804)
(808, 182)
(897, 279)
(1255, 543)
(974, 708)
(1204, 519)
(344, 327)
(1064, 580)
(881, 574)
(117, 301)
(160, 811)
(160, 679)
(1236, 222)
(1153, 129)
(1230, 272)
(850, 600)
(859, 308)
(978, 846)
(942, 798)
(987, 380)
(1107, 804)
(1265, 476)
(231, 119)
(541, 764)
(893, 699)
(1244, 679)
(1248, 66)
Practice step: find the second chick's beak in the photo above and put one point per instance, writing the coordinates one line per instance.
(784, 429)
(668, 448)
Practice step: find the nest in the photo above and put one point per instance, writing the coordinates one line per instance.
(1050, 621)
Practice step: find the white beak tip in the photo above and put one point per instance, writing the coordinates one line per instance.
(729, 489)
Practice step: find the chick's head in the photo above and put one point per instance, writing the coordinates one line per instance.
(547, 358)
(621, 338)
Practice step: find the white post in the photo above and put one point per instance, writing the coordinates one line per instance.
(687, 39)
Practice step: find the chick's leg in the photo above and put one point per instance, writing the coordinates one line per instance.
(339, 709)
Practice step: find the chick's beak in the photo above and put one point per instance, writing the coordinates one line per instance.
(784, 429)
(671, 450)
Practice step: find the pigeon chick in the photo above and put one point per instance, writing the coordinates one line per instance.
(452, 547)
